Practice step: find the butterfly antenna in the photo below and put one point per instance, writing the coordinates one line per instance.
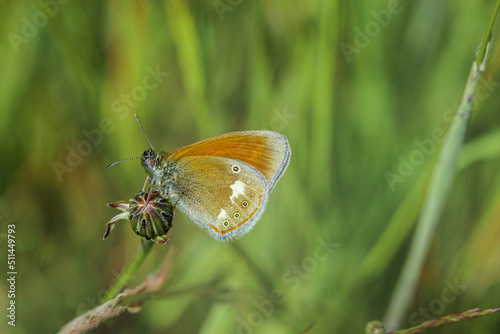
(117, 162)
(145, 135)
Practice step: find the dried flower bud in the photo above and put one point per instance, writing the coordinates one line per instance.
(150, 215)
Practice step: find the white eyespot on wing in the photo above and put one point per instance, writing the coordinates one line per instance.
(222, 215)
(238, 188)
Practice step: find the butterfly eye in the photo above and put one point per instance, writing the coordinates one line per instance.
(226, 223)
(245, 204)
(235, 168)
(236, 215)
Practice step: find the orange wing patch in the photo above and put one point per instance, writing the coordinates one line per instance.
(264, 150)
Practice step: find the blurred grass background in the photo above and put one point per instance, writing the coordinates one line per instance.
(71, 83)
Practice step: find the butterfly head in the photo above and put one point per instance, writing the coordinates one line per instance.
(152, 161)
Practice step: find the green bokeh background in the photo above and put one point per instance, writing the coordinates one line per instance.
(351, 119)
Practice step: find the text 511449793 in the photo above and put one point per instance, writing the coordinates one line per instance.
(11, 274)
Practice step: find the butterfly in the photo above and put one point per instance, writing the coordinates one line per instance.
(221, 183)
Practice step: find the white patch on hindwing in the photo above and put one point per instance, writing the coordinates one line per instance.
(222, 215)
(238, 188)
(241, 205)
(227, 204)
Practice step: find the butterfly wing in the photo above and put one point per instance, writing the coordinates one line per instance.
(225, 196)
(266, 151)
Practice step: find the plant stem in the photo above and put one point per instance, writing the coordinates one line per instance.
(439, 187)
(487, 37)
(129, 271)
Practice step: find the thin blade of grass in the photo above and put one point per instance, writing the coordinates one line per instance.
(434, 202)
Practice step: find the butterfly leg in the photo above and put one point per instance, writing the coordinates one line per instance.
(146, 182)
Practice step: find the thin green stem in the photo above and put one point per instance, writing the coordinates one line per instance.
(435, 199)
(487, 37)
(129, 271)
